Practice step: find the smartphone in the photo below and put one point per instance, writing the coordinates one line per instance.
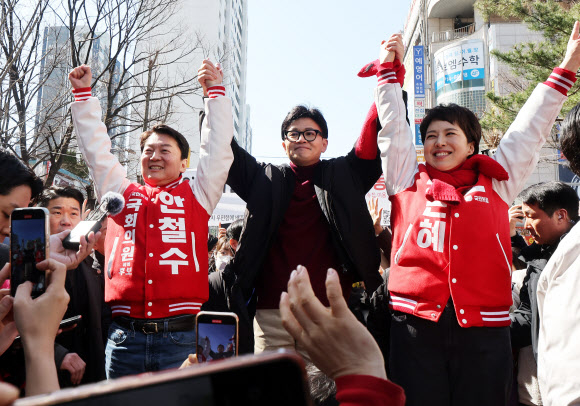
(70, 323)
(267, 379)
(214, 230)
(217, 336)
(93, 223)
(29, 245)
(65, 325)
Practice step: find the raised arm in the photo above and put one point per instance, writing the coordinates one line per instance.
(398, 156)
(519, 149)
(94, 143)
(215, 154)
(38, 321)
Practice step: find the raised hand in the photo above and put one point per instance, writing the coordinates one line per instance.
(516, 215)
(81, 77)
(376, 214)
(335, 331)
(38, 321)
(209, 75)
(391, 49)
(571, 61)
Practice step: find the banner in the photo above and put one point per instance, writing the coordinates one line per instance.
(461, 62)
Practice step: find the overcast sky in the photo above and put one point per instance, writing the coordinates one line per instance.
(309, 52)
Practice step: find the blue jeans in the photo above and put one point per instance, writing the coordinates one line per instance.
(131, 351)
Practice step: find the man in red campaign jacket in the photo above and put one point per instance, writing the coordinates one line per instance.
(450, 277)
(156, 248)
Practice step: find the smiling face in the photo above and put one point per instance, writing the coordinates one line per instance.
(18, 197)
(302, 152)
(161, 161)
(446, 145)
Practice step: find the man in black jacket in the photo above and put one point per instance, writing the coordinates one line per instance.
(544, 206)
(310, 213)
(79, 353)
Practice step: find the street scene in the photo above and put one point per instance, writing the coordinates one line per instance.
(293, 203)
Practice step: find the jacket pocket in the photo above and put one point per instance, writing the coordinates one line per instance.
(400, 250)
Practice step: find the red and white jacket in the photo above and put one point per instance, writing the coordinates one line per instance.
(463, 251)
(156, 248)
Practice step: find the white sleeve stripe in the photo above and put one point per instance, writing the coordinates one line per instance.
(565, 86)
(392, 80)
(562, 78)
(495, 319)
(495, 313)
(388, 74)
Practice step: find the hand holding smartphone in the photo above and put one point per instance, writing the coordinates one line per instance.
(29, 245)
(217, 336)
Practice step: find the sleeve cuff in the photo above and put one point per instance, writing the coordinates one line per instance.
(366, 389)
(82, 93)
(387, 72)
(562, 80)
(216, 91)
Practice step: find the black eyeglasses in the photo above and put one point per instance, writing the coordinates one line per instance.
(309, 135)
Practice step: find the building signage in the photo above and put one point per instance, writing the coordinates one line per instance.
(419, 94)
(418, 69)
(461, 62)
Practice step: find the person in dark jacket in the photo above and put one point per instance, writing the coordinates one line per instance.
(547, 209)
(310, 212)
(544, 206)
(79, 353)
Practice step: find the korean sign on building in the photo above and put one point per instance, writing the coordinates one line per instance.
(461, 62)
(419, 71)
(419, 93)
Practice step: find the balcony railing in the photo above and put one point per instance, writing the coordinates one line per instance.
(450, 35)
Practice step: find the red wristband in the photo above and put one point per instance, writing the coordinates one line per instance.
(562, 80)
(82, 93)
(216, 91)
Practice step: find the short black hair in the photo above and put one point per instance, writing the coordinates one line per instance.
(570, 139)
(234, 230)
(552, 196)
(301, 111)
(55, 192)
(166, 130)
(458, 115)
(14, 173)
(211, 242)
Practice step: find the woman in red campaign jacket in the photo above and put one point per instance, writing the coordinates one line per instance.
(450, 274)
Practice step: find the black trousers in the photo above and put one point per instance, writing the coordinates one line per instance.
(440, 364)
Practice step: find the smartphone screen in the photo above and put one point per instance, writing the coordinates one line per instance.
(217, 336)
(214, 230)
(28, 246)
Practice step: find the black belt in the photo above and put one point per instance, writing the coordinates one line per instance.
(152, 326)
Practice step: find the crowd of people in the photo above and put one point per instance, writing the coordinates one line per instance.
(448, 306)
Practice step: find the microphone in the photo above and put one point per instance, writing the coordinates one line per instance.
(111, 204)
